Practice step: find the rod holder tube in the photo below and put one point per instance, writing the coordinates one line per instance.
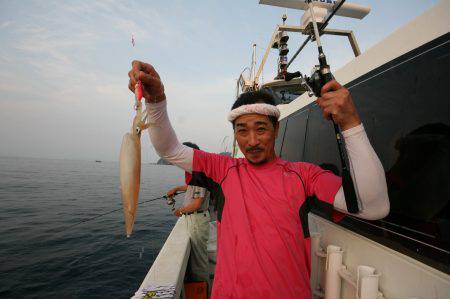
(366, 282)
(315, 260)
(332, 278)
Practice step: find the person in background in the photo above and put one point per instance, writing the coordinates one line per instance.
(195, 209)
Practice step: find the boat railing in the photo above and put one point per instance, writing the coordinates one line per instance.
(169, 267)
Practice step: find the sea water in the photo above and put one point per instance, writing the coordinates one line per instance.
(40, 257)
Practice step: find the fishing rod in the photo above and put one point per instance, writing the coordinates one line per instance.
(170, 201)
(321, 76)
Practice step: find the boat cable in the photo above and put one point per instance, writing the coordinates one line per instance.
(118, 209)
(298, 51)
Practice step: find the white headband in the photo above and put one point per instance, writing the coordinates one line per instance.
(259, 108)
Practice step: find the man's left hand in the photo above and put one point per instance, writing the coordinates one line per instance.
(337, 104)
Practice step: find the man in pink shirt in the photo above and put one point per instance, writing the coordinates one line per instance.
(263, 242)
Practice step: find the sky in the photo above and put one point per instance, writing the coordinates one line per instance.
(64, 64)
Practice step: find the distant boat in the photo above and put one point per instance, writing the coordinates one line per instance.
(98, 161)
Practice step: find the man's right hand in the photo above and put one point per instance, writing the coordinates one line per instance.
(152, 87)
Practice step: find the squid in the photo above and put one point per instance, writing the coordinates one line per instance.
(130, 163)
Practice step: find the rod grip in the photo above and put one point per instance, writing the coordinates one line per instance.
(347, 183)
(349, 192)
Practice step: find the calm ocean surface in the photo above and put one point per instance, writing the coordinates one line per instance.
(40, 258)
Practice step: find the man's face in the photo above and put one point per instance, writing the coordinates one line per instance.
(255, 135)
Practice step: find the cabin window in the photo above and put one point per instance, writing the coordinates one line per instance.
(321, 147)
(294, 137)
(406, 112)
(279, 141)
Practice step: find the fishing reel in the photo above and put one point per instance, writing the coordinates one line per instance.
(318, 80)
(170, 200)
(312, 84)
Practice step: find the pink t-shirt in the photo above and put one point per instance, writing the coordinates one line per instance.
(263, 243)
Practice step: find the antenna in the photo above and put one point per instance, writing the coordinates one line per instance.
(253, 67)
(349, 10)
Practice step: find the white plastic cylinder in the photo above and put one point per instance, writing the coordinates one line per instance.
(319, 14)
(366, 282)
(315, 246)
(332, 278)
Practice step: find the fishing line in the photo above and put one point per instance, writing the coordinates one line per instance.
(110, 212)
(118, 209)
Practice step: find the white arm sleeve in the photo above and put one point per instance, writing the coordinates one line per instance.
(368, 177)
(366, 169)
(164, 138)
